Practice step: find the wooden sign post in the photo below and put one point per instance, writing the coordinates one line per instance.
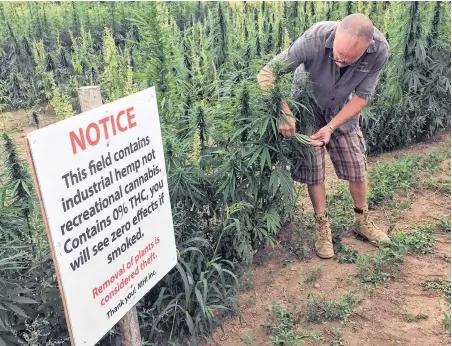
(102, 185)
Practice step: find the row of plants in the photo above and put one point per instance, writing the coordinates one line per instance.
(191, 50)
(228, 168)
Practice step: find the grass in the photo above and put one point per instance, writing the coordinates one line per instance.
(414, 318)
(379, 268)
(300, 247)
(340, 208)
(420, 241)
(387, 179)
(385, 264)
(400, 205)
(444, 187)
(345, 254)
(301, 237)
(337, 338)
(319, 311)
(444, 224)
(446, 321)
(249, 339)
(438, 284)
(437, 184)
(281, 327)
(314, 274)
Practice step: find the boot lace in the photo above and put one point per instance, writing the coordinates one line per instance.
(369, 222)
(323, 230)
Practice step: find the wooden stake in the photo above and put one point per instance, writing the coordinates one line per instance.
(90, 98)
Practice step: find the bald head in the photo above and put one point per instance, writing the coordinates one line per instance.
(357, 26)
(353, 35)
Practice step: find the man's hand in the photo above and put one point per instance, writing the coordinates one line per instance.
(287, 124)
(322, 137)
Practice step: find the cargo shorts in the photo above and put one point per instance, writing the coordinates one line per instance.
(347, 153)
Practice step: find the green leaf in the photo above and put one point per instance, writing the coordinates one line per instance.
(264, 156)
(16, 309)
(22, 300)
(2, 324)
(185, 282)
(200, 301)
(255, 155)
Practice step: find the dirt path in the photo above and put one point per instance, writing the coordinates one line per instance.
(385, 314)
(19, 123)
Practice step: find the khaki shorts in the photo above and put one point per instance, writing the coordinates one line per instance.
(348, 154)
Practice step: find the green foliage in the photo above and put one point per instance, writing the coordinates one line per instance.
(18, 181)
(387, 179)
(440, 284)
(60, 103)
(345, 254)
(414, 318)
(420, 241)
(444, 224)
(228, 168)
(337, 338)
(385, 264)
(319, 311)
(446, 321)
(28, 289)
(249, 339)
(339, 205)
(4, 100)
(379, 268)
(115, 70)
(280, 327)
(400, 205)
(314, 275)
(412, 98)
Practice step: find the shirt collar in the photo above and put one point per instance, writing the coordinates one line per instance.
(330, 39)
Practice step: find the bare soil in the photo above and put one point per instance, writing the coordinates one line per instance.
(380, 318)
(19, 123)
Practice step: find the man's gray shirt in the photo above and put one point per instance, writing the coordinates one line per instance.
(311, 53)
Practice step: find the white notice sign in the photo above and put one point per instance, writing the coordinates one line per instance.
(104, 188)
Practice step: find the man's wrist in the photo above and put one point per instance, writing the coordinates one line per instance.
(331, 127)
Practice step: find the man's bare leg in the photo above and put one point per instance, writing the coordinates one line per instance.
(359, 193)
(318, 197)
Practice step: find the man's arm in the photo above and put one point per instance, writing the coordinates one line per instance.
(349, 111)
(292, 57)
(265, 78)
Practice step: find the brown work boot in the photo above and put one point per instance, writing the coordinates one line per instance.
(367, 228)
(324, 243)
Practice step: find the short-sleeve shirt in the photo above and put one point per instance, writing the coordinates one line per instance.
(331, 87)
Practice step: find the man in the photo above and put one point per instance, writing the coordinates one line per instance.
(343, 61)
